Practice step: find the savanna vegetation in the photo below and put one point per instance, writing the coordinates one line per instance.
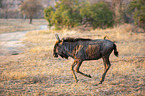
(37, 72)
(72, 13)
(30, 8)
(68, 14)
(137, 7)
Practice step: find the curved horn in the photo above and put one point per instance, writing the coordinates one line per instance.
(57, 37)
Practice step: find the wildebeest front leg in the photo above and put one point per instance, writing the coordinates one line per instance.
(77, 69)
(107, 66)
(72, 68)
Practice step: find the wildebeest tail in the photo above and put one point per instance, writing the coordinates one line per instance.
(115, 51)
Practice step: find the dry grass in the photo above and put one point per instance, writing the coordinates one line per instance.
(39, 73)
(12, 25)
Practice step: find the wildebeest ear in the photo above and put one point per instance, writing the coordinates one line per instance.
(57, 37)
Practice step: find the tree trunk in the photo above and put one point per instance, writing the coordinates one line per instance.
(31, 19)
(6, 14)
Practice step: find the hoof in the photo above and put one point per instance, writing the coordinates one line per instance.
(89, 76)
(100, 82)
(76, 81)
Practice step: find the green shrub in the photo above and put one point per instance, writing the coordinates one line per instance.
(99, 14)
(48, 14)
(137, 7)
(69, 13)
(66, 15)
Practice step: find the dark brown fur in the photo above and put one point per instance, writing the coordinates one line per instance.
(81, 49)
(68, 39)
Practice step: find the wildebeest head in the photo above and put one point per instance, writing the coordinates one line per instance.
(59, 48)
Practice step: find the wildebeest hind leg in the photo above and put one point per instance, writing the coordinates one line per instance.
(107, 66)
(72, 68)
(77, 69)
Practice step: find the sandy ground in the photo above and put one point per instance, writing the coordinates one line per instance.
(11, 44)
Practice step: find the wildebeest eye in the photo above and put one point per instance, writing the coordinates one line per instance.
(59, 45)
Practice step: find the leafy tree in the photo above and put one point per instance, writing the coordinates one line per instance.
(65, 15)
(48, 14)
(98, 14)
(6, 5)
(69, 13)
(30, 8)
(70, 3)
(137, 7)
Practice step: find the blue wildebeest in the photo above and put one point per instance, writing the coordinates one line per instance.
(84, 49)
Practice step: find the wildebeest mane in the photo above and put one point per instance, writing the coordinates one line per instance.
(70, 39)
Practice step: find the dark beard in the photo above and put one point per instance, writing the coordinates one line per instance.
(64, 56)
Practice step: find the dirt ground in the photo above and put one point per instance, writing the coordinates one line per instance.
(37, 72)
